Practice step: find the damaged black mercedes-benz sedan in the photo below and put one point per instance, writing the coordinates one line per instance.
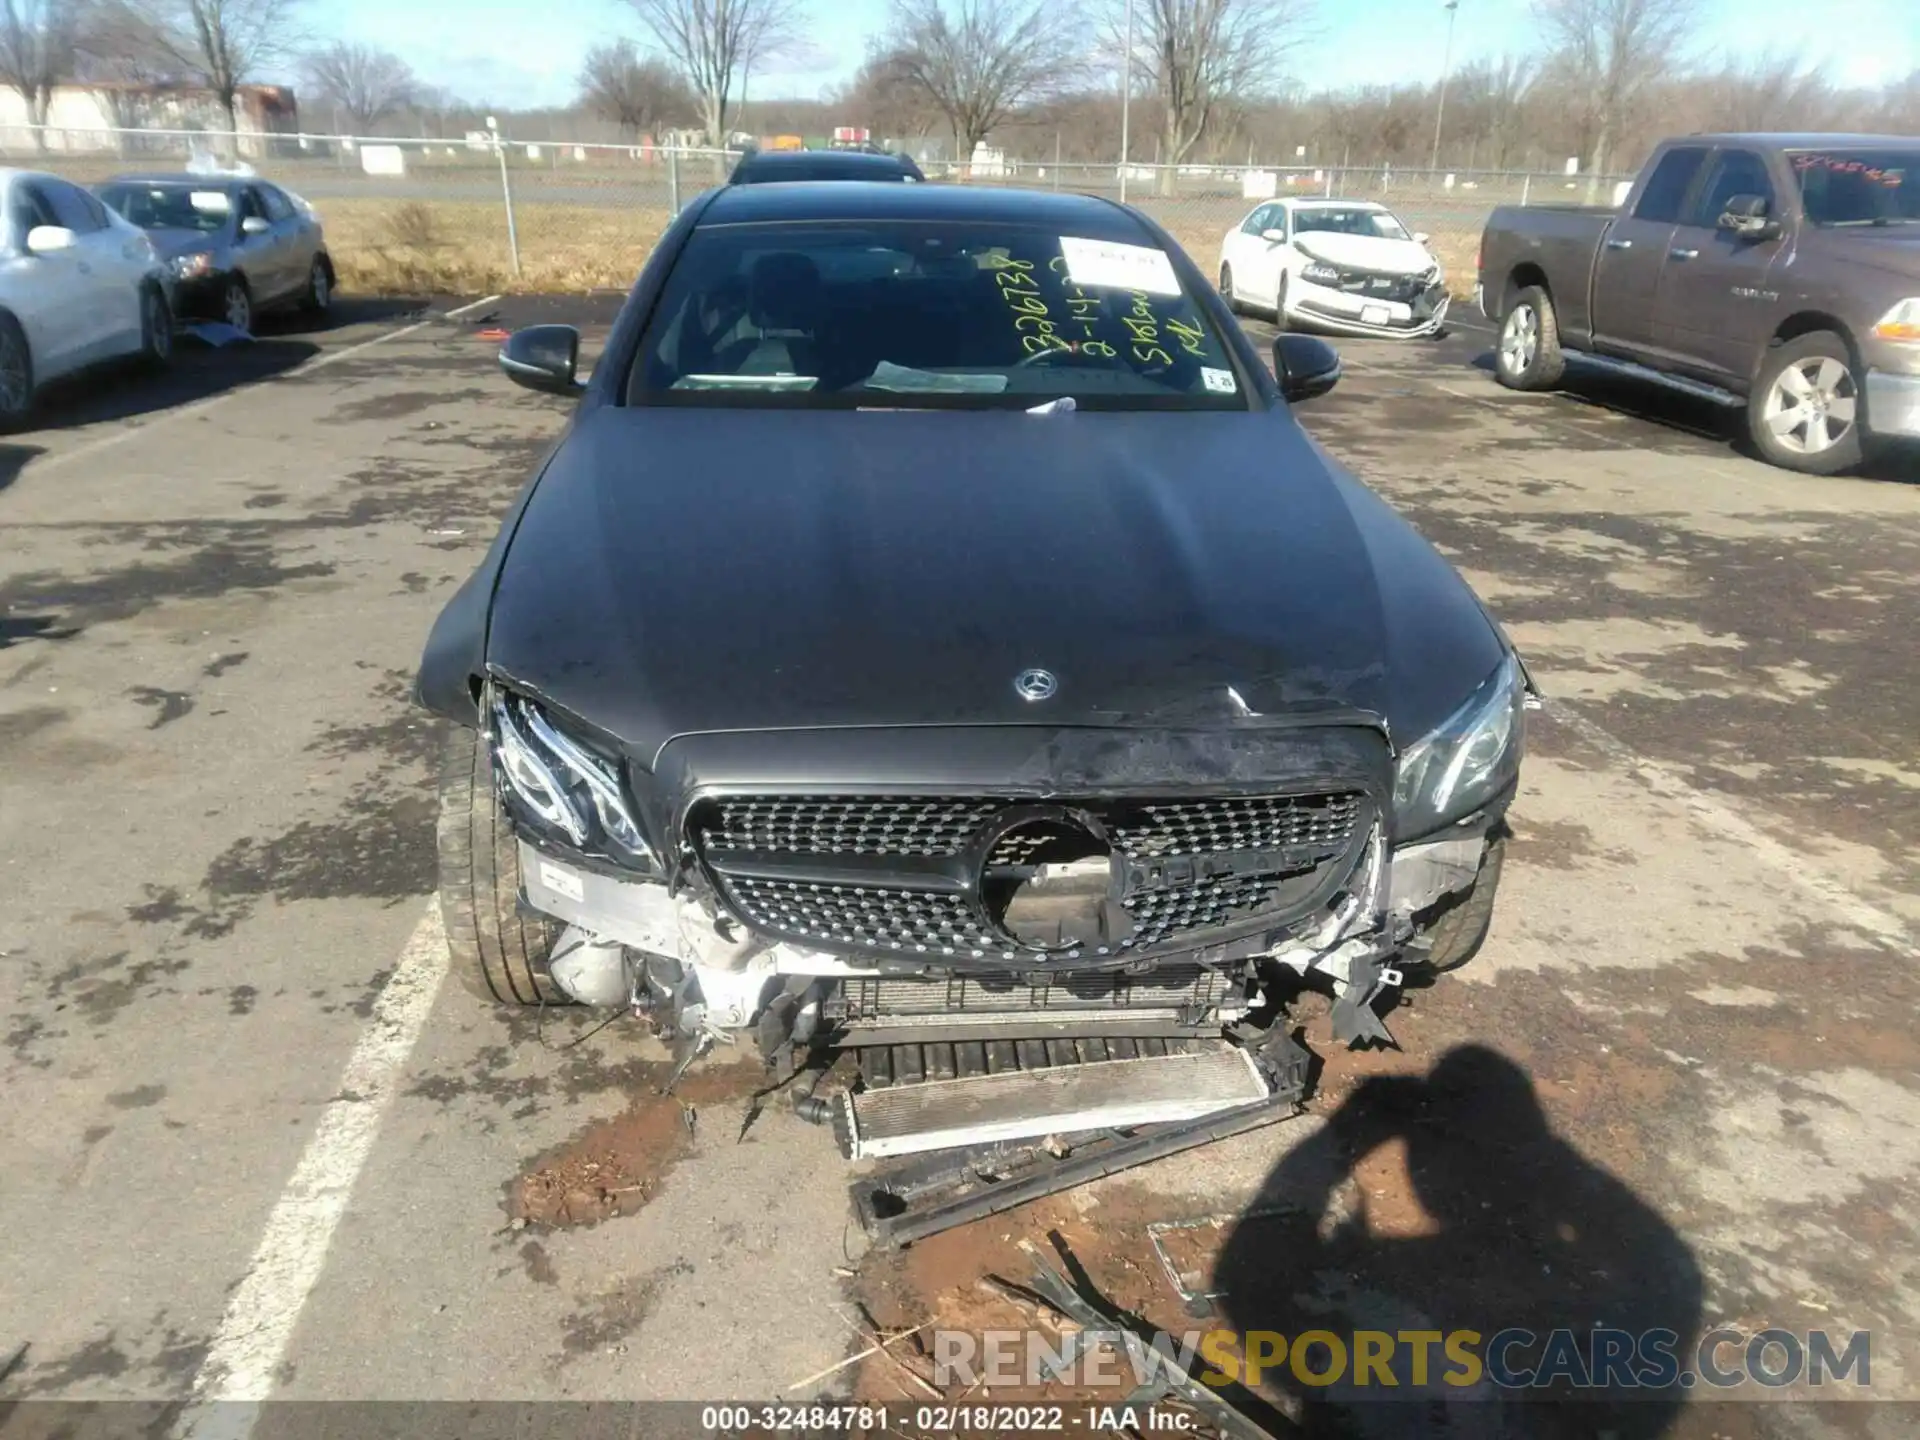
(934, 636)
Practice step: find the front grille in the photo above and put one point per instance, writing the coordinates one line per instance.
(1403, 288)
(865, 917)
(1204, 827)
(846, 825)
(902, 875)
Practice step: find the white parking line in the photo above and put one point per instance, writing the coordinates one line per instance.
(44, 463)
(238, 1372)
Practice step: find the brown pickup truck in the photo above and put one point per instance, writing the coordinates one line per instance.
(1778, 272)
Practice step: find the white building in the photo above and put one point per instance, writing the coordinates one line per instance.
(97, 117)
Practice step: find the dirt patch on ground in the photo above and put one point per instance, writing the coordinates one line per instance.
(615, 1166)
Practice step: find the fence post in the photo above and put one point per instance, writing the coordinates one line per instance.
(673, 182)
(506, 192)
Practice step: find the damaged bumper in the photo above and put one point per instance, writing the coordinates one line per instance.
(624, 934)
(1395, 307)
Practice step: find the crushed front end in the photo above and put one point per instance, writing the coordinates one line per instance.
(1016, 931)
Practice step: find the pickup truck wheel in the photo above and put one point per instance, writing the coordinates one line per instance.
(499, 954)
(1528, 356)
(1804, 413)
(1456, 936)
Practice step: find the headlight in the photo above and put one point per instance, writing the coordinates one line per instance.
(1469, 759)
(563, 784)
(191, 267)
(1901, 323)
(1320, 274)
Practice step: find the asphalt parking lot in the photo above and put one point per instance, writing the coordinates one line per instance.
(254, 1147)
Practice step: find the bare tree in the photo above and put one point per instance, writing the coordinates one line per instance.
(714, 44)
(638, 93)
(1203, 56)
(1613, 53)
(221, 44)
(368, 84)
(978, 62)
(39, 48)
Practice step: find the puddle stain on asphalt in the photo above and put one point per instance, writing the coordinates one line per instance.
(158, 1363)
(400, 404)
(19, 727)
(615, 1166)
(167, 705)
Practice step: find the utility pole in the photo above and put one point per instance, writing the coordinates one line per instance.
(1126, 101)
(1452, 7)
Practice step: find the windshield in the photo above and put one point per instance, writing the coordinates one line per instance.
(900, 313)
(1332, 218)
(1859, 187)
(170, 207)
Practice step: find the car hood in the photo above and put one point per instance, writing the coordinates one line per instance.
(1366, 252)
(169, 242)
(686, 570)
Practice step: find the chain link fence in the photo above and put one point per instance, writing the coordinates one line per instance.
(489, 213)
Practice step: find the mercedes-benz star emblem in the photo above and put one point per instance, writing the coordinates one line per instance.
(1035, 684)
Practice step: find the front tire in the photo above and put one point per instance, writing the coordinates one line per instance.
(1805, 411)
(499, 954)
(1459, 931)
(1226, 290)
(16, 376)
(1280, 302)
(1528, 355)
(156, 329)
(236, 305)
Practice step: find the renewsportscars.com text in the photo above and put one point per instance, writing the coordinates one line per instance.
(1513, 1359)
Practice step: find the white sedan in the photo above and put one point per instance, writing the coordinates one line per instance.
(78, 285)
(1347, 266)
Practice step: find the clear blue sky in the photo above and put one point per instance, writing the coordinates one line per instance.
(523, 52)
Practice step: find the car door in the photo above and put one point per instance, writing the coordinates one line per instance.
(1238, 251)
(55, 306)
(1626, 272)
(263, 256)
(1714, 288)
(296, 237)
(108, 269)
(1273, 253)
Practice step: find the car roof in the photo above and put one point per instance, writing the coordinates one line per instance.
(852, 161)
(198, 182)
(1797, 140)
(1333, 200)
(857, 200)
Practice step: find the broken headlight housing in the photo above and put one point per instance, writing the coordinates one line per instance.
(1468, 760)
(561, 785)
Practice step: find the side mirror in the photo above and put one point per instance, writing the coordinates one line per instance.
(1304, 366)
(1274, 236)
(1420, 237)
(254, 225)
(543, 358)
(49, 239)
(1746, 216)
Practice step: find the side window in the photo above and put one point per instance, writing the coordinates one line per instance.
(1276, 218)
(73, 207)
(1734, 172)
(278, 206)
(1667, 187)
(250, 206)
(1257, 221)
(30, 210)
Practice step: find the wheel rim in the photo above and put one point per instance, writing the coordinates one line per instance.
(322, 290)
(1811, 405)
(13, 374)
(239, 309)
(1520, 339)
(159, 329)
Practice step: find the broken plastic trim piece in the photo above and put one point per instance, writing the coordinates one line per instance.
(912, 1202)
